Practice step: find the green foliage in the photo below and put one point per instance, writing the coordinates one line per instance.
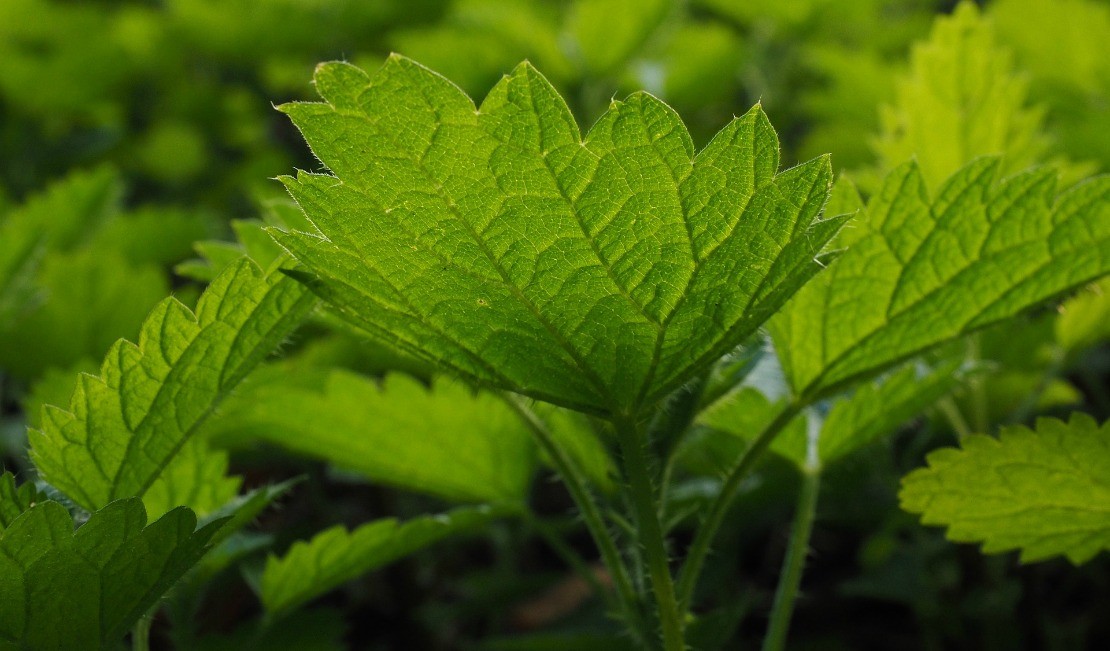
(920, 272)
(61, 589)
(618, 271)
(1039, 490)
(335, 556)
(874, 410)
(445, 440)
(125, 426)
(15, 500)
(960, 77)
(506, 215)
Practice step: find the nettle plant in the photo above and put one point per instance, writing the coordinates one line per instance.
(591, 301)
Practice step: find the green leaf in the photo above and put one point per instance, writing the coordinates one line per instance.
(921, 272)
(1043, 492)
(608, 32)
(14, 501)
(195, 477)
(1085, 318)
(124, 427)
(91, 298)
(445, 440)
(874, 410)
(335, 556)
(53, 220)
(962, 84)
(598, 274)
(65, 590)
(879, 408)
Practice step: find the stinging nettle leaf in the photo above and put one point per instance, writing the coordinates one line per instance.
(445, 440)
(597, 273)
(1042, 491)
(921, 272)
(124, 427)
(335, 556)
(61, 589)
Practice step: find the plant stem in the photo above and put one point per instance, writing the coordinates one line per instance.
(699, 549)
(140, 633)
(951, 411)
(650, 532)
(576, 485)
(790, 579)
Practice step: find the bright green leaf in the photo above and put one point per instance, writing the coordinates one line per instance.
(124, 427)
(608, 32)
(962, 84)
(65, 590)
(333, 557)
(598, 274)
(445, 440)
(921, 272)
(1043, 492)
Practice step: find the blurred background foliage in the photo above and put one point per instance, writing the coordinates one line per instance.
(133, 129)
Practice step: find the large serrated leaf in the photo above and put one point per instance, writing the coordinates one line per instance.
(922, 271)
(597, 273)
(1042, 491)
(124, 427)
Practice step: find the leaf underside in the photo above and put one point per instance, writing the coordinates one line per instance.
(1042, 491)
(597, 273)
(920, 272)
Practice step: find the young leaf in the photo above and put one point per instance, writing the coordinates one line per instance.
(55, 219)
(960, 77)
(445, 440)
(1043, 492)
(921, 272)
(333, 557)
(15, 500)
(125, 426)
(595, 273)
(65, 590)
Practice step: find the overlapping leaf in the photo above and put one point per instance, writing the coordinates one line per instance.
(14, 500)
(920, 271)
(124, 427)
(444, 440)
(595, 273)
(61, 589)
(874, 410)
(333, 557)
(1044, 492)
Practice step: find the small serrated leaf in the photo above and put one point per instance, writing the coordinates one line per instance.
(1042, 491)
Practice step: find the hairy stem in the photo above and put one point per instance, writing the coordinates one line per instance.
(790, 579)
(699, 549)
(576, 485)
(650, 532)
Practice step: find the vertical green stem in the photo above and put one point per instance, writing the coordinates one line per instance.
(699, 549)
(650, 532)
(577, 487)
(794, 563)
(140, 633)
